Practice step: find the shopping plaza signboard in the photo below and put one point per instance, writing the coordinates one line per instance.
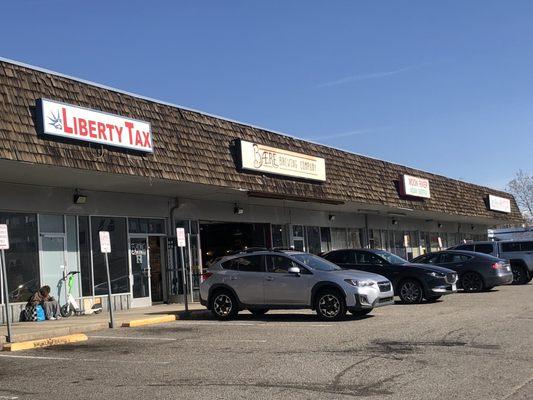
(415, 187)
(78, 123)
(272, 160)
(500, 204)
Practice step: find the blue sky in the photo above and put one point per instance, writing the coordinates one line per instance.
(441, 86)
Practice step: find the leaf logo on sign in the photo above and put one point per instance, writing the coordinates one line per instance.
(55, 120)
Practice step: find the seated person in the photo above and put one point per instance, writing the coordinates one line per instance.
(51, 307)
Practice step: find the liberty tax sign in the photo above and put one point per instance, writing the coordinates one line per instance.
(500, 204)
(261, 158)
(59, 119)
(415, 187)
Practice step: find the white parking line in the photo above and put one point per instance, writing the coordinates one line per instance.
(225, 340)
(9, 397)
(85, 359)
(131, 338)
(288, 323)
(215, 323)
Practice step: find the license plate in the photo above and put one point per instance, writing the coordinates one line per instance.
(454, 287)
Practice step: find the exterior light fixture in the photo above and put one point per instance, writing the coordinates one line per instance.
(331, 217)
(439, 225)
(394, 222)
(238, 210)
(80, 198)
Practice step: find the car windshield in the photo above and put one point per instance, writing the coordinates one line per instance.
(391, 258)
(315, 262)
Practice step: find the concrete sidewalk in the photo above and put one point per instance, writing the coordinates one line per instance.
(23, 331)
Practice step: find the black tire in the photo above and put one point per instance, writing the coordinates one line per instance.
(66, 311)
(330, 305)
(361, 313)
(472, 282)
(411, 291)
(433, 299)
(224, 305)
(520, 274)
(258, 312)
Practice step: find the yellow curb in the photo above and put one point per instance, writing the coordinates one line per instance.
(148, 321)
(34, 344)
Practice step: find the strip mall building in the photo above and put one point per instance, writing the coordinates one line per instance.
(77, 158)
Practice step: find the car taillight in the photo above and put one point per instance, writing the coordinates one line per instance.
(205, 276)
(497, 265)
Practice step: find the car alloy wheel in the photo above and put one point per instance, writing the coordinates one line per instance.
(329, 305)
(472, 282)
(519, 275)
(223, 305)
(411, 292)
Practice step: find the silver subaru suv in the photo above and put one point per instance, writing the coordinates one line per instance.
(285, 279)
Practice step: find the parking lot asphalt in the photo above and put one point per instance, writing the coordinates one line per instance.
(466, 346)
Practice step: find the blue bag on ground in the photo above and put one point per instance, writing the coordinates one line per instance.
(40, 313)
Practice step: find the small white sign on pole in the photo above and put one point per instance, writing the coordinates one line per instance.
(180, 237)
(105, 242)
(4, 237)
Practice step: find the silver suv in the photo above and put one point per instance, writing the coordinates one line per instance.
(264, 280)
(519, 253)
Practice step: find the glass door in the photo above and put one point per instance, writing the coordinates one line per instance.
(53, 262)
(140, 270)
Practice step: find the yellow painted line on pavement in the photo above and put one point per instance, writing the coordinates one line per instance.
(35, 344)
(149, 321)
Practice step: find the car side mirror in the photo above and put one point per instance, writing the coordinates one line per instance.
(295, 271)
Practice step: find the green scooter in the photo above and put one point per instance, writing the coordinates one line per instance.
(72, 306)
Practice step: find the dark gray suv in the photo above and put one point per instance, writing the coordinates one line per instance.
(264, 280)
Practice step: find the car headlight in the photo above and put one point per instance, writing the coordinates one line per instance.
(436, 274)
(355, 282)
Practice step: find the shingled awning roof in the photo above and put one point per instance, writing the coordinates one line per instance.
(194, 147)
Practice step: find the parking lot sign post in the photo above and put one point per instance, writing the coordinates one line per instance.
(4, 245)
(105, 248)
(181, 242)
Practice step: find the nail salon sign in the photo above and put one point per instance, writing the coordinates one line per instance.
(78, 123)
(415, 187)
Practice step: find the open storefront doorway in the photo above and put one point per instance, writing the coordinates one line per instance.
(222, 238)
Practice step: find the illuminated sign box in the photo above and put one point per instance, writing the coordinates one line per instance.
(261, 158)
(500, 204)
(78, 123)
(415, 187)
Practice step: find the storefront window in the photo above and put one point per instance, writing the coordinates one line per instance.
(357, 238)
(51, 223)
(146, 225)
(72, 252)
(118, 258)
(375, 239)
(85, 256)
(325, 239)
(22, 258)
(313, 239)
(279, 236)
(338, 238)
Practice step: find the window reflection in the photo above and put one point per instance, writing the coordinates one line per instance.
(22, 262)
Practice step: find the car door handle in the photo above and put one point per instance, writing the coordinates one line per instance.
(269, 278)
(233, 278)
